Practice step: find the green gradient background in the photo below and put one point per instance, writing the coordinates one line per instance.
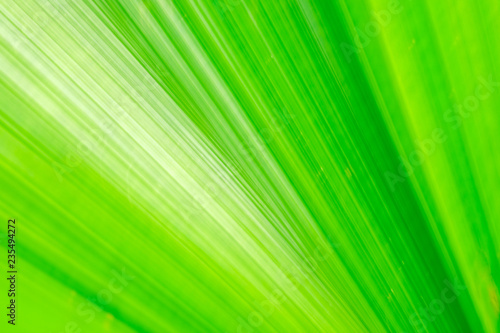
(228, 153)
